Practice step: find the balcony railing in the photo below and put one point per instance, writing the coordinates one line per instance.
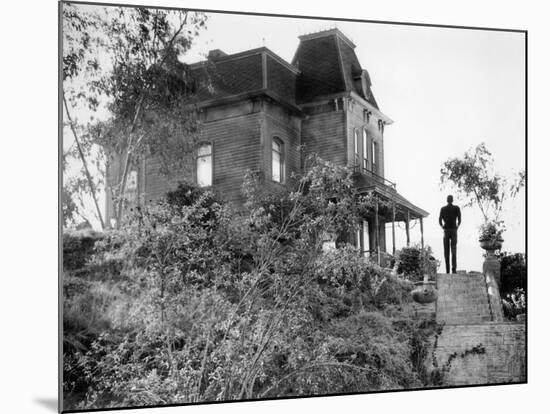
(359, 168)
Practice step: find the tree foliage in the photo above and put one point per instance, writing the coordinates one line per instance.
(473, 177)
(121, 64)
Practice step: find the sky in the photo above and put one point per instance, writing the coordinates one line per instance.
(447, 91)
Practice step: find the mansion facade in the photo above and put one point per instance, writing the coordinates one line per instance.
(264, 114)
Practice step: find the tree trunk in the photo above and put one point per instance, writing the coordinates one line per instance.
(85, 163)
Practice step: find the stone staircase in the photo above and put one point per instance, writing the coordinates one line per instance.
(462, 299)
(478, 346)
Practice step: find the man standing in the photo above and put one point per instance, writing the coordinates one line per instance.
(449, 220)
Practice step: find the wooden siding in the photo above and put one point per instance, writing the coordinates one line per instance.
(325, 134)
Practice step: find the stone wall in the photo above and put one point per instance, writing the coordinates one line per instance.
(486, 353)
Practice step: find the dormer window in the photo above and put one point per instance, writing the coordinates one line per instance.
(204, 165)
(277, 160)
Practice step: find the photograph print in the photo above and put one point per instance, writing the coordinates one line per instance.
(263, 206)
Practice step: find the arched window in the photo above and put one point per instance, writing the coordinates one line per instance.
(204, 165)
(277, 160)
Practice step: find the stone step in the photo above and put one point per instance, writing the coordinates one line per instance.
(462, 299)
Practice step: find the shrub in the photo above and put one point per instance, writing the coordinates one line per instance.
(513, 273)
(413, 262)
(186, 195)
(393, 291)
(78, 247)
(514, 303)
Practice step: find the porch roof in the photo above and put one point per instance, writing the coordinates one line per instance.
(402, 205)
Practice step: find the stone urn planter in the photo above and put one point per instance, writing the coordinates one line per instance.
(424, 292)
(490, 245)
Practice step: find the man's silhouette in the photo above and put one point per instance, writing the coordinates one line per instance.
(449, 220)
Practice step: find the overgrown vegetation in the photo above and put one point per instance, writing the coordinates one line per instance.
(414, 262)
(193, 301)
(513, 286)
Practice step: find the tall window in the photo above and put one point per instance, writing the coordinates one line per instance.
(356, 147)
(365, 150)
(366, 243)
(374, 157)
(362, 238)
(277, 160)
(204, 165)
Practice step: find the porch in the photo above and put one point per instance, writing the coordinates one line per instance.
(390, 208)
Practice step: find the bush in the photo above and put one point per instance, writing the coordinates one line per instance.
(514, 304)
(513, 273)
(393, 291)
(78, 247)
(413, 262)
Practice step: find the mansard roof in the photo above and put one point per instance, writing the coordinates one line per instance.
(329, 65)
(242, 74)
(324, 64)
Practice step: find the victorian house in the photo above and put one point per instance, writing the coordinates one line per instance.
(262, 113)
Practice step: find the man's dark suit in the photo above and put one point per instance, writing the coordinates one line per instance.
(449, 219)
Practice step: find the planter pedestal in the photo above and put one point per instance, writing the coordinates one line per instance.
(491, 272)
(491, 265)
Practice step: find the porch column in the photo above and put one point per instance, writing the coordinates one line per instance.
(393, 227)
(407, 219)
(422, 232)
(376, 230)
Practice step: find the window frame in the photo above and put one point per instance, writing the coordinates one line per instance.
(374, 150)
(282, 159)
(365, 238)
(356, 148)
(365, 160)
(197, 163)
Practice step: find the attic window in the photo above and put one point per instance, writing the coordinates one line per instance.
(365, 84)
